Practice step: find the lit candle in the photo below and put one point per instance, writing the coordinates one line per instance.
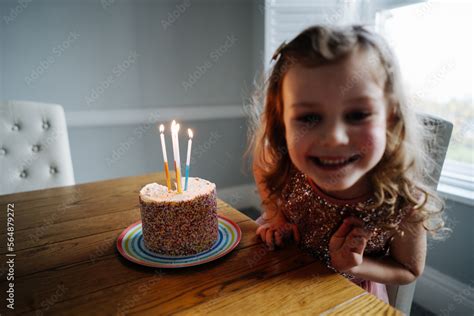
(165, 157)
(178, 162)
(175, 139)
(188, 157)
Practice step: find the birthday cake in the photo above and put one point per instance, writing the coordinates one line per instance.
(179, 224)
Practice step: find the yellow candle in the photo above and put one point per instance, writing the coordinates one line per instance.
(165, 157)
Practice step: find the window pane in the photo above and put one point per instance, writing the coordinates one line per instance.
(433, 42)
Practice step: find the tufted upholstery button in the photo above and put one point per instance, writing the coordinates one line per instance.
(33, 139)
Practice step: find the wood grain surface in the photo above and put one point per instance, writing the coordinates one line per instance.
(66, 263)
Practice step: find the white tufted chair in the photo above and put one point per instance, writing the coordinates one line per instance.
(401, 296)
(34, 147)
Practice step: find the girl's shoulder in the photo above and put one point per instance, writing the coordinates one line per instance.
(296, 179)
(392, 216)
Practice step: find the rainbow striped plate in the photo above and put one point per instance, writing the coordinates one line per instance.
(130, 245)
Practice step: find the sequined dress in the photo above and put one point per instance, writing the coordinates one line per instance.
(318, 216)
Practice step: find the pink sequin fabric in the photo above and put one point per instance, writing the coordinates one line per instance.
(318, 216)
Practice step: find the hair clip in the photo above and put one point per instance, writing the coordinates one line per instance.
(278, 51)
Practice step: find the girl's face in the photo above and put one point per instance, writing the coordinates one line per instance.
(335, 119)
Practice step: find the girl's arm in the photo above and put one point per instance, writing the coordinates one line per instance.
(406, 261)
(268, 212)
(274, 227)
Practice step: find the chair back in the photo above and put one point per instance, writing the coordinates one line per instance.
(401, 296)
(34, 147)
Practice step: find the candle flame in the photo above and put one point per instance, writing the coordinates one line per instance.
(190, 133)
(162, 128)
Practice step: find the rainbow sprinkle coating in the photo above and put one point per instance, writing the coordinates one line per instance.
(179, 224)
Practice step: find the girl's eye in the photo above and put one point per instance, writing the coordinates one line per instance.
(357, 116)
(310, 118)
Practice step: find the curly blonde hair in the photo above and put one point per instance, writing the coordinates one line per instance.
(402, 177)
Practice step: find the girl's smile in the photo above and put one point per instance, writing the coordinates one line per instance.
(334, 163)
(335, 122)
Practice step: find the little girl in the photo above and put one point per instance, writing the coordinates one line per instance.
(339, 159)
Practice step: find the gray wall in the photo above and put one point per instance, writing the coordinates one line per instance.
(99, 39)
(106, 55)
(217, 151)
(455, 255)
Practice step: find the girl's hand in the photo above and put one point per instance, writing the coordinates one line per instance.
(347, 245)
(276, 231)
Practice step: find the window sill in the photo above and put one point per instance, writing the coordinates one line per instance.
(457, 182)
(456, 194)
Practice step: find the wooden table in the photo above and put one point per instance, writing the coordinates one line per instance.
(66, 262)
